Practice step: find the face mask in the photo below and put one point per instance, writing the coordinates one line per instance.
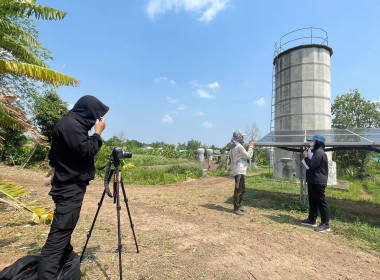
(311, 145)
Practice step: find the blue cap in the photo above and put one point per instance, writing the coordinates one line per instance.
(317, 137)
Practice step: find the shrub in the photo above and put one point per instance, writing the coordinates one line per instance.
(151, 176)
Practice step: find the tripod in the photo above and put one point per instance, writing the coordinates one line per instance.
(116, 190)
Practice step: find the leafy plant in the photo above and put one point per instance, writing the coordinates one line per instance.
(20, 57)
(48, 109)
(151, 176)
(350, 110)
(39, 214)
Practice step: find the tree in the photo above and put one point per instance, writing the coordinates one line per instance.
(262, 155)
(157, 144)
(22, 86)
(20, 55)
(134, 145)
(181, 146)
(349, 111)
(253, 133)
(9, 150)
(48, 110)
(14, 118)
(17, 41)
(193, 145)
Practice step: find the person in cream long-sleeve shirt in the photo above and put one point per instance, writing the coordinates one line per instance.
(239, 157)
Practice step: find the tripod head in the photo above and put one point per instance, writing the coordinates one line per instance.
(114, 159)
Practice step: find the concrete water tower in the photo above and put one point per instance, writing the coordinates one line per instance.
(301, 94)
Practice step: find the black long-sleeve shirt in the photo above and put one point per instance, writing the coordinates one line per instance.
(318, 167)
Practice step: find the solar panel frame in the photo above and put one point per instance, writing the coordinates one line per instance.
(359, 137)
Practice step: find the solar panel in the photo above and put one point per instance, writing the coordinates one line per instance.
(365, 137)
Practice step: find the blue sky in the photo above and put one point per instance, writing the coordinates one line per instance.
(176, 70)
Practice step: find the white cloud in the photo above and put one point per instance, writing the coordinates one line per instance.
(164, 79)
(205, 94)
(195, 83)
(211, 12)
(199, 113)
(172, 100)
(259, 102)
(207, 124)
(181, 107)
(213, 85)
(167, 119)
(207, 9)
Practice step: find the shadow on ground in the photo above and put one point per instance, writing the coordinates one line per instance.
(341, 209)
(90, 258)
(217, 207)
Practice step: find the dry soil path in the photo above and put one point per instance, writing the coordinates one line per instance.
(185, 231)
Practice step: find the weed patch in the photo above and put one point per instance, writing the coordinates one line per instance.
(148, 160)
(168, 175)
(351, 216)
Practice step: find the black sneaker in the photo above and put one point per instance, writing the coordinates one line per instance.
(323, 228)
(308, 223)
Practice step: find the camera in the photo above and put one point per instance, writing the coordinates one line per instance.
(118, 154)
(114, 158)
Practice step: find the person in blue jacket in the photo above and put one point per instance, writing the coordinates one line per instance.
(316, 178)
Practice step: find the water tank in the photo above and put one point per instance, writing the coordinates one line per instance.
(209, 154)
(201, 154)
(302, 90)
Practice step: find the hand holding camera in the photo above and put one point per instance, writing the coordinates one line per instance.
(100, 125)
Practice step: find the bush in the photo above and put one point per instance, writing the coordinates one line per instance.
(189, 171)
(151, 176)
(148, 160)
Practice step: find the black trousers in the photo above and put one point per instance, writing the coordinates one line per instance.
(317, 202)
(239, 189)
(58, 249)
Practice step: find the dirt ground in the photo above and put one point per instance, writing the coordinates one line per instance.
(185, 231)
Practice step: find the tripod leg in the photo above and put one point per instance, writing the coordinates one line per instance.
(116, 189)
(92, 226)
(129, 214)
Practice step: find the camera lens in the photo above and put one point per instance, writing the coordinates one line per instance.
(127, 154)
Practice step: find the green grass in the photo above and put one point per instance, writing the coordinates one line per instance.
(151, 176)
(357, 187)
(147, 160)
(355, 218)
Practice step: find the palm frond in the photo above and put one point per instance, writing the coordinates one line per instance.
(14, 30)
(14, 192)
(11, 190)
(6, 120)
(19, 51)
(20, 118)
(25, 8)
(37, 73)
